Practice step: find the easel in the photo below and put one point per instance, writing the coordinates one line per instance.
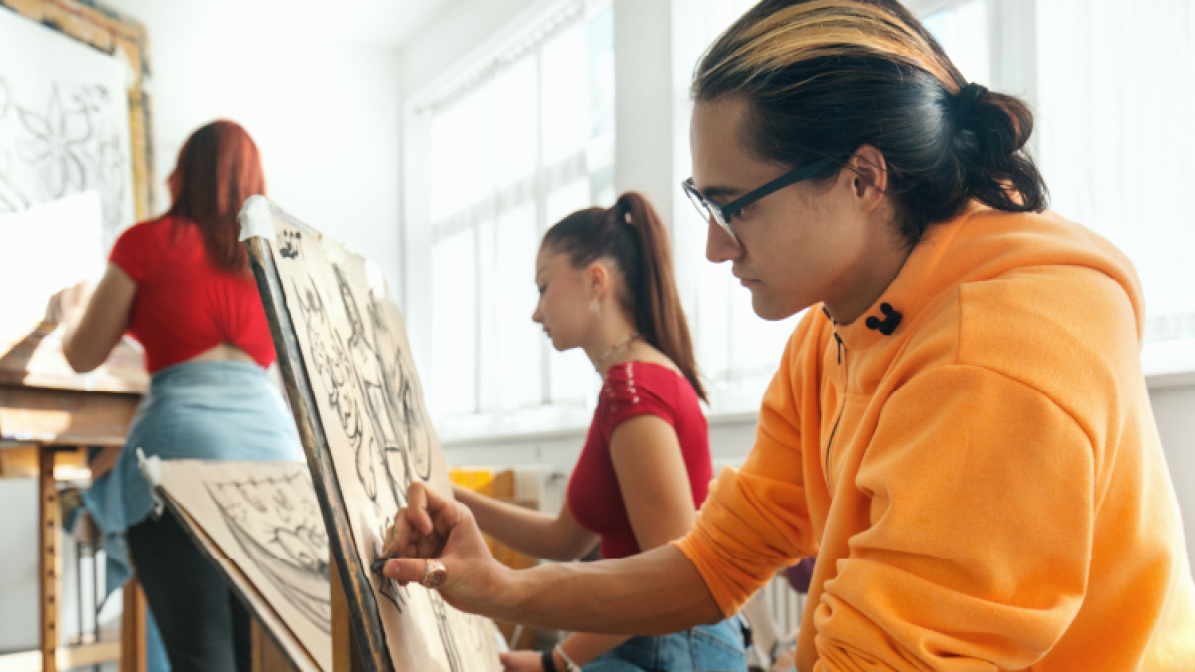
(48, 410)
(358, 642)
(275, 649)
(49, 414)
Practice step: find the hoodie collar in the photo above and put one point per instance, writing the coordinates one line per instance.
(907, 296)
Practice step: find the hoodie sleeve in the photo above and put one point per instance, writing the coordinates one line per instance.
(756, 519)
(976, 558)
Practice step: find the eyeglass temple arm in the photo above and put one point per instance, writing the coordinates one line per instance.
(792, 177)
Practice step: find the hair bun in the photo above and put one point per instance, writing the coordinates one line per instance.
(965, 102)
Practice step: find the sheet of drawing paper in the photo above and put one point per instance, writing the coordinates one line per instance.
(45, 249)
(264, 516)
(64, 123)
(381, 438)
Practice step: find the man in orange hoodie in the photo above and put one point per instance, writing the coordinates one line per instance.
(959, 428)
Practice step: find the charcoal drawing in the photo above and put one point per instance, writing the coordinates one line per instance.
(380, 438)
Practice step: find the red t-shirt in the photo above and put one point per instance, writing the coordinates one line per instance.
(184, 305)
(635, 388)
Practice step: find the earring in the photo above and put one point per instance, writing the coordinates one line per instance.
(595, 308)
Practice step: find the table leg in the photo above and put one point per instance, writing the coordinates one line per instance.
(132, 628)
(49, 540)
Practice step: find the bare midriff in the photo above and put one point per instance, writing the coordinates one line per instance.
(225, 352)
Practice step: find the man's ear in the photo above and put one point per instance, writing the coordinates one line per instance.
(869, 175)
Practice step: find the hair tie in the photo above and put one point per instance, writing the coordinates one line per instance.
(622, 210)
(965, 101)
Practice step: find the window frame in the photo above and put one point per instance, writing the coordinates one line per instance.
(521, 36)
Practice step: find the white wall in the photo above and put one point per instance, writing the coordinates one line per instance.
(325, 115)
(1174, 410)
(18, 556)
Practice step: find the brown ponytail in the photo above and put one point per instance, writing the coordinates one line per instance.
(631, 235)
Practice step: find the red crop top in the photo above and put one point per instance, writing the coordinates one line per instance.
(184, 305)
(635, 388)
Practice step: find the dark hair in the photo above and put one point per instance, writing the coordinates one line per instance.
(823, 79)
(632, 236)
(219, 168)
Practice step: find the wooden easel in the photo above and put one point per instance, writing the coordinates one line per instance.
(47, 410)
(275, 649)
(56, 413)
(358, 641)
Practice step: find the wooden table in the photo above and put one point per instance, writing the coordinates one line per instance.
(46, 409)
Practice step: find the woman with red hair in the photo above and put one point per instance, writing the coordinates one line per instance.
(181, 286)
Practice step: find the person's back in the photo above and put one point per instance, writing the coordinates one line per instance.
(185, 306)
(181, 286)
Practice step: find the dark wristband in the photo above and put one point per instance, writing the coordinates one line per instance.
(548, 661)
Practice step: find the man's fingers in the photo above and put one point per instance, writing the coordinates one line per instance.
(399, 535)
(417, 510)
(405, 570)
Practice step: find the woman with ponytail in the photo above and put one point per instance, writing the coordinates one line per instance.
(606, 286)
(959, 428)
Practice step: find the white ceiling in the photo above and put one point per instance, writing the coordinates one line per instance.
(384, 24)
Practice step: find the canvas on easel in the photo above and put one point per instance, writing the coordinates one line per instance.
(260, 523)
(358, 404)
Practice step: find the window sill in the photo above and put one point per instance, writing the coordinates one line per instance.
(542, 425)
(1166, 365)
(1169, 364)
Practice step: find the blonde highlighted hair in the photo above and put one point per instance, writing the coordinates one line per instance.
(824, 77)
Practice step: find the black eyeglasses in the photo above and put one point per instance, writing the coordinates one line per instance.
(722, 214)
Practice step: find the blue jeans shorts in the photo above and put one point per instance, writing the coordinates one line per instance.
(705, 648)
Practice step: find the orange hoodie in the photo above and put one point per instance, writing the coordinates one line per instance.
(975, 464)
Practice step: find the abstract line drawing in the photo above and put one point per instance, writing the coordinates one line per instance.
(333, 372)
(262, 523)
(380, 439)
(390, 442)
(64, 124)
(389, 588)
(447, 636)
(65, 144)
(291, 246)
(277, 523)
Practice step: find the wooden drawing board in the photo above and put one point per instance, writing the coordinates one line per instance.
(260, 523)
(358, 404)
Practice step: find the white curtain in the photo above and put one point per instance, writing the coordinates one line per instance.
(737, 351)
(1116, 90)
(1114, 99)
(520, 148)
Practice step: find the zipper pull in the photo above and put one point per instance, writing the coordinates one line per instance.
(839, 339)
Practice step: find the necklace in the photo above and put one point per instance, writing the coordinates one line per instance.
(615, 350)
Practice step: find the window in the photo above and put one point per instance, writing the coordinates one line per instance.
(523, 143)
(1115, 95)
(738, 352)
(1110, 84)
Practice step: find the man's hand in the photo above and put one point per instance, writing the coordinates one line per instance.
(521, 661)
(432, 527)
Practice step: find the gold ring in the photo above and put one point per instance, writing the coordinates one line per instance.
(434, 574)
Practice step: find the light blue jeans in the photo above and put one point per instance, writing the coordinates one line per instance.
(207, 410)
(200, 410)
(705, 648)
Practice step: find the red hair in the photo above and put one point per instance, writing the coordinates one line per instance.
(219, 168)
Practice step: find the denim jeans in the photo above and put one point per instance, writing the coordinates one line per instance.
(705, 648)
